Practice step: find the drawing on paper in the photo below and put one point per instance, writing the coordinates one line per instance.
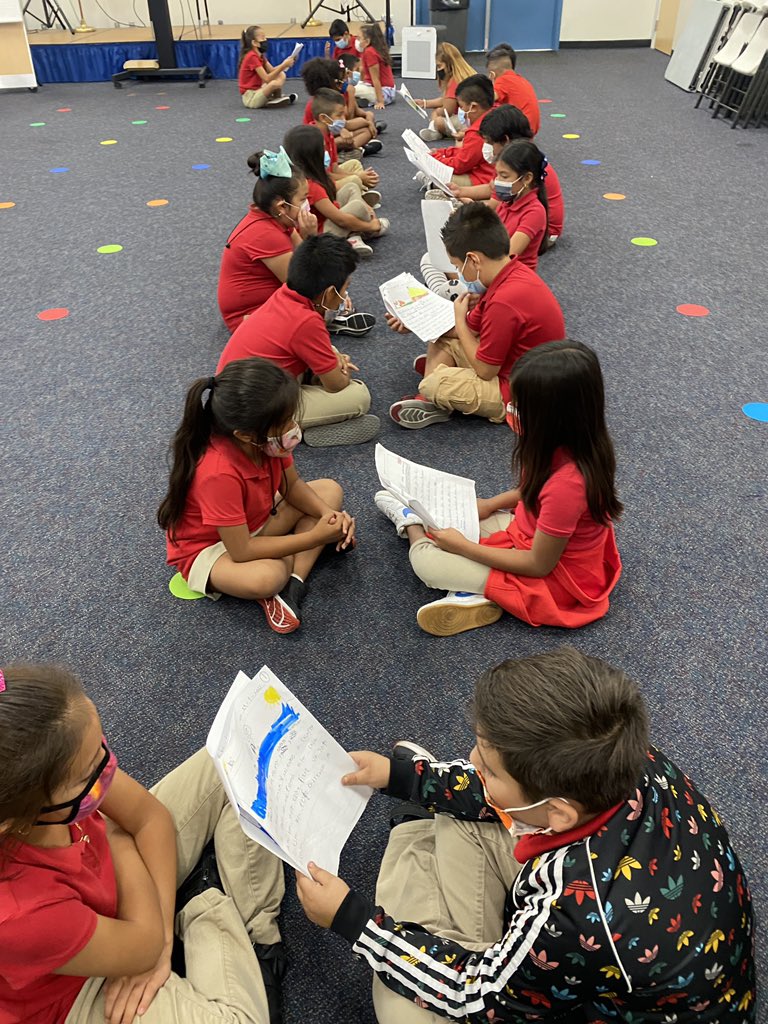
(279, 728)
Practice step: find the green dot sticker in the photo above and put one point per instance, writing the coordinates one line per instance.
(138, 122)
(557, 115)
(241, 120)
(181, 589)
(37, 124)
(644, 242)
(109, 248)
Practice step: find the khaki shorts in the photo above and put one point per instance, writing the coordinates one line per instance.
(207, 558)
(459, 389)
(254, 99)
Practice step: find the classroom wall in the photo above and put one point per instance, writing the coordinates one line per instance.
(605, 20)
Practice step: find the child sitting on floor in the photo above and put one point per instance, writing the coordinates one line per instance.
(378, 85)
(290, 331)
(567, 871)
(509, 87)
(358, 137)
(328, 116)
(520, 200)
(342, 42)
(547, 552)
(239, 519)
(475, 98)
(468, 371)
(260, 84)
(450, 69)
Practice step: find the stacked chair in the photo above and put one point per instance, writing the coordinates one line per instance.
(736, 81)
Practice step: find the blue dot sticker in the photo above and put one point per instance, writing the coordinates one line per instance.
(200, 167)
(756, 411)
(591, 163)
(59, 170)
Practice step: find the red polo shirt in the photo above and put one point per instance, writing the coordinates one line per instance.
(309, 117)
(468, 157)
(518, 91)
(315, 194)
(228, 489)
(245, 282)
(248, 77)
(342, 51)
(288, 331)
(554, 201)
(527, 215)
(370, 58)
(517, 312)
(51, 898)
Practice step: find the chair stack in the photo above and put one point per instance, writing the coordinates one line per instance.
(736, 82)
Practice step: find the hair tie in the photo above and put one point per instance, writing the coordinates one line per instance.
(544, 165)
(275, 165)
(205, 398)
(2, 682)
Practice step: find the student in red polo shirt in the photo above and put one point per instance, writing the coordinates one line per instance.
(96, 872)
(290, 331)
(261, 85)
(378, 85)
(520, 200)
(468, 372)
(342, 41)
(475, 98)
(239, 519)
(450, 68)
(328, 116)
(359, 131)
(510, 87)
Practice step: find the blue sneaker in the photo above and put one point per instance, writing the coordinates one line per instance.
(457, 612)
(396, 512)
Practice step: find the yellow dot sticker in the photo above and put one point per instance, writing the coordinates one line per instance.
(224, 138)
(108, 142)
(7, 206)
(571, 135)
(644, 242)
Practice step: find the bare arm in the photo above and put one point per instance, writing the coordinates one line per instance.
(518, 243)
(470, 341)
(376, 83)
(539, 561)
(476, 192)
(268, 74)
(279, 265)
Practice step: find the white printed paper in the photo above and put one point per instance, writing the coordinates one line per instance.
(433, 169)
(282, 773)
(414, 143)
(297, 49)
(406, 94)
(427, 315)
(442, 500)
(435, 214)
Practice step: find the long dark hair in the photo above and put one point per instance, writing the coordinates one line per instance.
(558, 392)
(43, 716)
(371, 30)
(246, 42)
(251, 395)
(525, 157)
(305, 145)
(267, 190)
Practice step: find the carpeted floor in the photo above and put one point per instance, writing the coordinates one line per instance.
(90, 401)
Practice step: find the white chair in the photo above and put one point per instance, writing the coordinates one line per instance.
(745, 83)
(739, 38)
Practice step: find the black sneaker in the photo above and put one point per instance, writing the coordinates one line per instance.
(352, 323)
(372, 147)
(293, 96)
(203, 876)
(381, 127)
(273, 963)
(293, 594)
(405, 750)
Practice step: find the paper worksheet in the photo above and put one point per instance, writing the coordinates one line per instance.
(297, 49)
(441, 499)
(439, 174)
(425, 314)
(406, 94)
(282, 773)
(435, 214)
(414, 143)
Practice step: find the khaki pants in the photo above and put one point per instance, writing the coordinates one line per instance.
(254, 99)
(223, 983)
(319, 407)
(348, 198)
(352, 169)
(459, 389)
(443, 570)
(424, 878)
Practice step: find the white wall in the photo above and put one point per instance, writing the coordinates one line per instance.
(586, 20)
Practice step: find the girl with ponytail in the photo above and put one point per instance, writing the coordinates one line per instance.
(239, 519)
(261, 85)
(520, 199)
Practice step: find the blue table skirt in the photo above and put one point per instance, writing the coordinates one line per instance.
(97, 62)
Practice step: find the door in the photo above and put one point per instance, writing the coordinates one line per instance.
(525, 24)
(665, 26)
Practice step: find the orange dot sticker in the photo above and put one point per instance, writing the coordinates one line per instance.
(157, 202)
(688, 309)
(545, 101)
(162, 108)
(7, 206)
(64, 110)
(614, 195)
(57, 313)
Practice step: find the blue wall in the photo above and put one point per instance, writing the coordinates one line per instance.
(527, 24)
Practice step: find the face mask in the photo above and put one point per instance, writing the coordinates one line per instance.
(440, 74)
(355, 78)
(337, 126)
(476, 287)
(91, 796)
(343, 43)
(263, 46)
(504, 191)
(516, 828)
(278, 446)
(359, 45)
(463, 118)
(488, 154)
(326, 159)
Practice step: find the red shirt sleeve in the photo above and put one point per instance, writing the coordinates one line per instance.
(562, 502)
(265, 241)
(222, 499)
(308, 117)
(464, 158)
(313, 346)
(248, 77)
(450, 92)
(497, 327)
(533, 221)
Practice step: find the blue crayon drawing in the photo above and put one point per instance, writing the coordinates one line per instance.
(286, 720)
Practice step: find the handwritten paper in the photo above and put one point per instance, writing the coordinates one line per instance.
(282, 773)
(440, 499)
(435, 214)
(406, 94)
(427, 315)
(414, 143)
(439, 174)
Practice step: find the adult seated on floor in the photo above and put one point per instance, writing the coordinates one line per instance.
(290, 329)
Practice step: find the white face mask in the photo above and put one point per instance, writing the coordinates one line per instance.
(359, 45)
(488, 154)
(515, 827)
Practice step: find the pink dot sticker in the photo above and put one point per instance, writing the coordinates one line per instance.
(162, 108)
(545, 101)
(64, 110)
(57, 313)
(692, 310)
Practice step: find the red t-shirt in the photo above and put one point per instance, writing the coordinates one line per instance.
(309, 117)
(518, 91)
(245, 282)
(228, 489)
(248, 77)
(450, 92)
(370, 58)
(315, 194)
(468, 157)
(50, 898)
(517, 313)
(528, 215)
(343, 51)
(554, 201)
(288, 331)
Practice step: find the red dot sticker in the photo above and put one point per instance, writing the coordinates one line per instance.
(162, 108)
(545, 101)
(692, 310)
(64, 110)
(58, 313)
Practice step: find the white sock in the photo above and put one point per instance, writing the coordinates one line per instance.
(295, 576)
(434, 279)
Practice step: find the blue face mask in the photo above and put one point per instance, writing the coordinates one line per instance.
(337, 127)
(504, 190)
(475, 287)
(355, 78)
(326, 159)
(463, 118)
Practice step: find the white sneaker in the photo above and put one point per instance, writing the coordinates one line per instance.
(423, 181)
(457, 612)
(429, 135)
(406, 750)
(396, 512)
(362, 248)
(384, 227)
(372, 197)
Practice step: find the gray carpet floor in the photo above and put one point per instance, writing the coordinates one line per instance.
(90, 402)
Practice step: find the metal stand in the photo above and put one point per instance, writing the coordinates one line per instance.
(166, 53)
(52, 14)
(346, 9)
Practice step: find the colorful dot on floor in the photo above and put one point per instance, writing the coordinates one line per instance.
(162, 108)
(59, 170)
(108, 142)
(557, 115)
(545, 101)
(591, 163)
(109, 248)
(756, 411)
(57, 313)
(6, 206)
(179, 587)
(224, 138)
(688, 309)
(37, 124)
(157, 202)
(643, 242)
(200, 167)
(616, 196)
(241, 120)
(64, 110)
(571, 135)
(138, 122)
